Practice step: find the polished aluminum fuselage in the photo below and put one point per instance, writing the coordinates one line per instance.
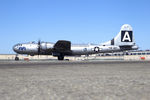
(76, 49)
(122, 42)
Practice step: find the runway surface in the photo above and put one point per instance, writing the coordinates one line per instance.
(75, 80)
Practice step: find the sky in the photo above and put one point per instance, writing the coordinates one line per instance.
(79, 21)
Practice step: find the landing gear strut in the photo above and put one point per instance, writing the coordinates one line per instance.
(60, 57)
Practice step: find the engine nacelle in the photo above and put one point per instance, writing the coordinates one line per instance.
(46, 45)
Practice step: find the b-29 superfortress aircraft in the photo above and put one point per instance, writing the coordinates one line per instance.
(122, 42)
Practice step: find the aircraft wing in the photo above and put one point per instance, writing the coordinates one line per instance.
(62, 46)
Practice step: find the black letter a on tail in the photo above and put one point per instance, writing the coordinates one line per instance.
(126, 36)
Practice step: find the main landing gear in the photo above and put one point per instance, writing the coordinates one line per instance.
(60, 57)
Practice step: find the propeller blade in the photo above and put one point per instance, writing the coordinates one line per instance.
(39, 47)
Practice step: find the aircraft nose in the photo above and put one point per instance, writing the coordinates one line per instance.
(15, 48)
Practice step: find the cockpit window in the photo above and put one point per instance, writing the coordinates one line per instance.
(19, 45)
(33, 42)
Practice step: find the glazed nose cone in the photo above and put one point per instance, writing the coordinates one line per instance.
(15, 48)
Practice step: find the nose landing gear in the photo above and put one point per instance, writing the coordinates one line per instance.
(16, 58)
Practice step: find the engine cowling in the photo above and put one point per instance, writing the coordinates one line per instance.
(46, 45)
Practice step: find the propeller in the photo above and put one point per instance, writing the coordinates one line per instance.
(39, 47)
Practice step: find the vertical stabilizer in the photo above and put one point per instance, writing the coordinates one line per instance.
(124, 37)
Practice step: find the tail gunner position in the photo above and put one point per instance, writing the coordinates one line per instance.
(122, 42)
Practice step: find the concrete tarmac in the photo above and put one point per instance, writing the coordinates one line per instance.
(75, 80)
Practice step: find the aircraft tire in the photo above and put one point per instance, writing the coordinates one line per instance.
(16, 58)
(60, 57)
